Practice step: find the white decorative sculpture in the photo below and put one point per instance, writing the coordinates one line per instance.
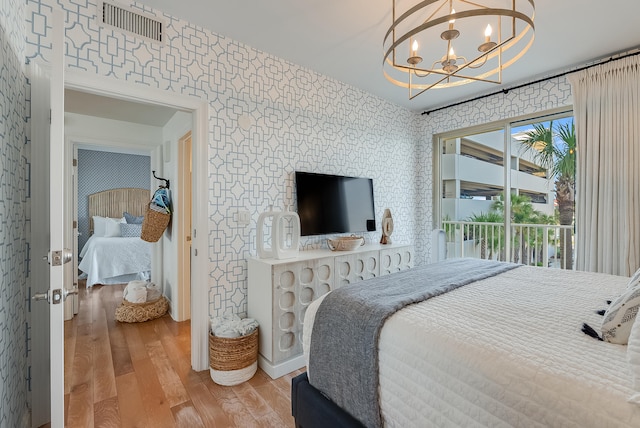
(279, 224)
(387, 227)
(286, 221)
(266, 220)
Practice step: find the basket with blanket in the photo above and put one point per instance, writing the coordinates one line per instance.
(142, 301)
(233, 349)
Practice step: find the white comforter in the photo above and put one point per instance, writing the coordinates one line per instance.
(115, 260)
(505, 351)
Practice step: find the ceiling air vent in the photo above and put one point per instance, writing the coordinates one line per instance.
(131, 22)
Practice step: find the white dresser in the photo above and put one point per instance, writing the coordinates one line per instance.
(280, 291)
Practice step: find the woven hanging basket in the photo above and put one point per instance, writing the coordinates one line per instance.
(233, 360)
(141, 312)
(154, 225)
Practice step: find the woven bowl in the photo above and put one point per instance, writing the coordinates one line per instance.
(141, 312)
(345, 243)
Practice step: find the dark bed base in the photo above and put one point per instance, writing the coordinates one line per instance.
(311, 409)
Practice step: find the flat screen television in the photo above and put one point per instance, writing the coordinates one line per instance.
(334, 204)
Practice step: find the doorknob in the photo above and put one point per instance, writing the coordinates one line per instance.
(68, 292)
(40, 296)
(58, 295)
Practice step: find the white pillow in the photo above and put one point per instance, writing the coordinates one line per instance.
(98, 225)
(106, 226)
(633, 356)
(620, 316)
(112, 227)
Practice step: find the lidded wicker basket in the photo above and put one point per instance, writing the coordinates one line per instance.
(233, 360)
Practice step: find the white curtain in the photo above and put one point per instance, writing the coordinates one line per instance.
(607, 118)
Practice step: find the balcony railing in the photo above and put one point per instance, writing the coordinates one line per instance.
(548, 245)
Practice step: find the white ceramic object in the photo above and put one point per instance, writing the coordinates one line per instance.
(266, 219)
(287, 220)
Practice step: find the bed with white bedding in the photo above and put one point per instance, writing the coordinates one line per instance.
(502, 351)
(114, 252)
(115, 260)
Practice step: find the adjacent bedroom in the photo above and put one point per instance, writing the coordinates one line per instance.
(113, 194)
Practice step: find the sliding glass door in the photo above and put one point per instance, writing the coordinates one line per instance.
(506, 191)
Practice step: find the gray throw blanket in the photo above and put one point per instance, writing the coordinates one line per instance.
(343, 358)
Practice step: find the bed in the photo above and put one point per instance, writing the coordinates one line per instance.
(108, 257)
(501, 350)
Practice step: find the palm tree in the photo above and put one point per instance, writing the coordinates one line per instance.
(554, 148)
(487, 234)
(524, 243)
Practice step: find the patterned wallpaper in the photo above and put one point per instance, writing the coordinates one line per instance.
(300, 120)
(98, 171)
(534, 98)
(14, 252)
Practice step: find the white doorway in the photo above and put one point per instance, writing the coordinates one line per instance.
(199, 111)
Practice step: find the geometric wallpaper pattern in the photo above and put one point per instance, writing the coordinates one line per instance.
(299, 120)
(98, 171)
(14, 266)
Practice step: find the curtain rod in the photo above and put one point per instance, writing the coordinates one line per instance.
(506, 90)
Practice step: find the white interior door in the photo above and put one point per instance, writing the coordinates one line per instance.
(39, 273)
(48, 225)
(57, 292)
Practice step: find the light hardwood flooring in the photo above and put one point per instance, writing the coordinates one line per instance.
(139, 375)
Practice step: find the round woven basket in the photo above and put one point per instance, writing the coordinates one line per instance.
(233, 360)
(141, 312)
(154, 224)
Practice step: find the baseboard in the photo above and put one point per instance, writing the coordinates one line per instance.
(278, 370)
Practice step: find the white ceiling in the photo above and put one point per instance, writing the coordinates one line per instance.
(343, 38)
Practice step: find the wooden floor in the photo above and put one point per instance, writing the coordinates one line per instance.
(139, 375)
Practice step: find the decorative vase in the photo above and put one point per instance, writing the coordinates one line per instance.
(266, 220)
(387, 227)
(279, 224)
(286, 221)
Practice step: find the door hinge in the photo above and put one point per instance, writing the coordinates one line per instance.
(75, 162)
(49, 116)
(75, 224)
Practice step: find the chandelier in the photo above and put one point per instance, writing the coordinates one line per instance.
(443, 43)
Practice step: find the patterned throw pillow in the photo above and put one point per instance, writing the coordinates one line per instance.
(132, 219)
(130, 230)
(619, 317)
